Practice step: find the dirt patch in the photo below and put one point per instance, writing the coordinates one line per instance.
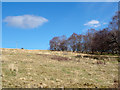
(59, 58)
(44, 55)
(55, 57)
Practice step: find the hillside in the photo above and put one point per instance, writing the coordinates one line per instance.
(56, 69)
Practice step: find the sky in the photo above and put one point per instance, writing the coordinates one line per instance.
(31, 25)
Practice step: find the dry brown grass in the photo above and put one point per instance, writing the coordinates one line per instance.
(55, 69)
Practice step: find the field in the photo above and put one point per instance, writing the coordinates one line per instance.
(57, 69)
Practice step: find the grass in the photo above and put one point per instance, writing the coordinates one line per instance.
(38, 69)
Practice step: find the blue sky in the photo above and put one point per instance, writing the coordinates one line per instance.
(32, 25)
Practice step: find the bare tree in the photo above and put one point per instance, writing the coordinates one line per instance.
(115, 33)
(54, 44)
(79, 43)
(58, 43)
(63, 43)
(100, 41)
(72, 41)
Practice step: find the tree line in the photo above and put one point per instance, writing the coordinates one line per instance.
(106, 40)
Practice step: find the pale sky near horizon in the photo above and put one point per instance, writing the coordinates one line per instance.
(32, 25)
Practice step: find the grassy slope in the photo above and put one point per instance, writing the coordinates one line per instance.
(35, 68)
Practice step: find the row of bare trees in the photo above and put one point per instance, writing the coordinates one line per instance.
(105, 40)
